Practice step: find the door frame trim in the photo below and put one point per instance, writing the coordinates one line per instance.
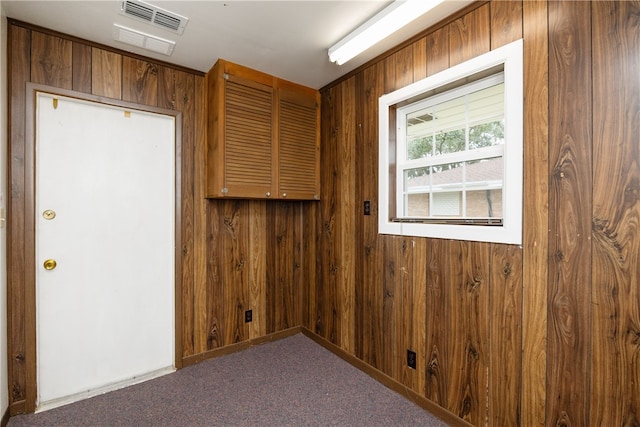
(32, 89)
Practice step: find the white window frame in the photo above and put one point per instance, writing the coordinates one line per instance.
(510, 58)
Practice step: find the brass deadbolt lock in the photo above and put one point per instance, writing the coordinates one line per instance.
(49, 214)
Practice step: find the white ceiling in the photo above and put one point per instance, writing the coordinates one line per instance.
(288, 39)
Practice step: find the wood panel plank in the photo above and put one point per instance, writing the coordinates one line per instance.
(359, 220)
(535, 213)
(309, 248)
(19, 68)
(570, 144)
(328, 221)
(468, 337)
(372, 270)
(416, 314)
(392, 298)
(438, 50)
(402, 313)
(51, 60)
(167, 88)
(106, 73)
(198, 329)
(505, 335)
(81, 67)
(419, 56)
(271, 295)
(215, 290)
(398, 69)
(297, 278)
(437, 314)
(184, 90)
(615, 368)
(469, 36)
(235, 244)
(506, 22)
(347, 209)
(284, 224)
(139, 81)
(259, 246)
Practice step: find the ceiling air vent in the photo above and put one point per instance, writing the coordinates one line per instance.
(143, 40)
(154, 15)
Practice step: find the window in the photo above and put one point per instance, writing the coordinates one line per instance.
(451, 152)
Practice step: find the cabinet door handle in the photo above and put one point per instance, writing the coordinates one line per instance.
(284, 194)
(268, 194)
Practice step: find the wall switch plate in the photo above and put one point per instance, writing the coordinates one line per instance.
(248, 316)
(367, 207)
(411, 359)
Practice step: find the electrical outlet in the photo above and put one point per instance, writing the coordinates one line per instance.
(411, 359)
(248, 316)
(367, 207)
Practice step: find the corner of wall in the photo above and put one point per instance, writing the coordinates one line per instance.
(4, 385)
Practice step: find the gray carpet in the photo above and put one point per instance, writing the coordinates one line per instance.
(290, 382)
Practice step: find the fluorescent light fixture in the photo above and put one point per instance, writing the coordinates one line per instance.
(386, 22)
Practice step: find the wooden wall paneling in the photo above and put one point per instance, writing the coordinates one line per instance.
(505, 334)
(398, 69)
(167, 88)
(347, 211)
(106, 73)
(404, 316)
(419, 56)
(437, 321)
(392, 333)
(297, 264)
(309, 267)
(183, 99)
(199, 327)
(235, 275)
(505, 300)
(506, 22)
(438, 50)
(166, 99)
(19, 64)
(615, 368)
(535, 213)
(328, 221)
(215, 289)
(470, 35)
(140, 81)
(257, 268)
(371, 265)
(570, 145)
(359, 307)
(271, 283)
(81, 67)
(284, 286)
(51, 59)
(468, 337)
(416, 305)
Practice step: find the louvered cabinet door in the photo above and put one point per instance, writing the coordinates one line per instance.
(248, 139)
(263, 136)
(298, 145)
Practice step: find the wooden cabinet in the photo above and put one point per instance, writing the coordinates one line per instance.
(263, 136)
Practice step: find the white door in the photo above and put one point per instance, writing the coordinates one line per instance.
(105, 198)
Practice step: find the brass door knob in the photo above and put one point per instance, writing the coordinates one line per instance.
(49, 214)
(50, 264)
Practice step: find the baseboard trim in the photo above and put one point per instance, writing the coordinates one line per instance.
(234, 348)
(389, 382)
(19, 407)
